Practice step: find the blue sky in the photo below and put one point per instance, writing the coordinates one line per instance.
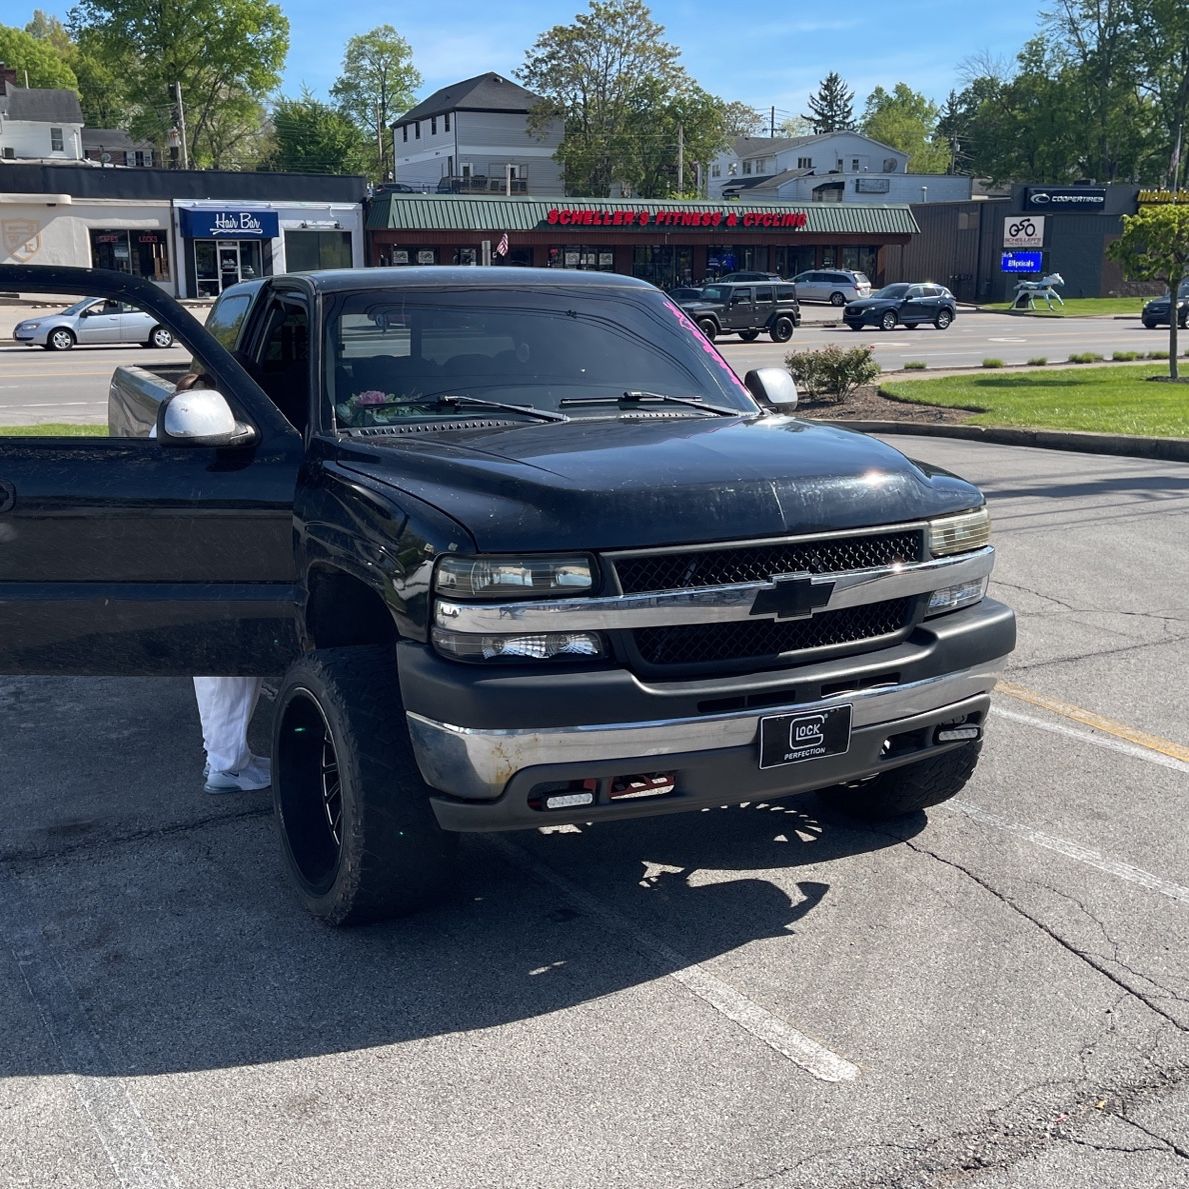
(748, 51)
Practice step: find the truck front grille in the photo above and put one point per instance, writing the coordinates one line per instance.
(724, 566)
(768, 639)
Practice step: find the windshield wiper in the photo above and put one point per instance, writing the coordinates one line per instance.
(654, 398)
(447, 400)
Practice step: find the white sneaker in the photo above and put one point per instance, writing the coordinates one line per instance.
(253, 776)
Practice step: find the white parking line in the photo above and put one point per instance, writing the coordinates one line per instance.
(800, 1049)
(118, 1124)
(1072, 850)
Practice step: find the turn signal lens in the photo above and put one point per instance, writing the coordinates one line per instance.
(959, 534)
(950, 598)
(471, 646)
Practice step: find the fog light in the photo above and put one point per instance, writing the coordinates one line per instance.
(955, 734)
(568, 800)
(950, 598)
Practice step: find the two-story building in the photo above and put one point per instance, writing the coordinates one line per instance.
(111, 146)
(38, 123)
(473, 137)
(828, 167)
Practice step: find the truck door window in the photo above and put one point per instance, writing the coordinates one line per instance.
(283, 360)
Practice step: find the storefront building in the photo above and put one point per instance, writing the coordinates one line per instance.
(667, 243)
(191, 232)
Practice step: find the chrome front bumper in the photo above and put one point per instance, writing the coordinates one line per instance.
(477, 763)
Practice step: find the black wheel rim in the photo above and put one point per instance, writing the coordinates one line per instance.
(309, 790)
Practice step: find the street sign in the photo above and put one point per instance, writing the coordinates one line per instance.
(1021, 262)
(1024, 231)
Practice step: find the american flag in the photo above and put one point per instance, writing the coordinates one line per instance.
(501, 249)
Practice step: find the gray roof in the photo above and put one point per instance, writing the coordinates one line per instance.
(42, 105)
(112, 138)
(484, 92)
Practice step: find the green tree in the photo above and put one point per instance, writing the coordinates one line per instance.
(1154, 246)
(906, 120)
(831, 109)
(377, 84)
(795, 126)
(38, 59)
(595, 75)
(217, 50)
(1162, 51)
(313, 137)
(49, 29)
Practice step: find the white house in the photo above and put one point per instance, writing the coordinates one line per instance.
(467, 137)
(38, 123)
(828, 167)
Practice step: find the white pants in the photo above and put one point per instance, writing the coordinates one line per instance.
(225, 706)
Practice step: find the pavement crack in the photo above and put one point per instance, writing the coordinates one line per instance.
(1081, 955)
(1167, 1145)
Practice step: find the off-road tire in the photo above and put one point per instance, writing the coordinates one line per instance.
(390, 857)
(749, 336)
(911, 788)
(60, 339)
(708, 327)
(943, 319)
(781, 329)
(887, 320)
(160, 336)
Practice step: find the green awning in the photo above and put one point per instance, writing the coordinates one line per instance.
(450, 212)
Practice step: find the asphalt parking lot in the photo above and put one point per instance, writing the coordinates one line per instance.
(994, 996)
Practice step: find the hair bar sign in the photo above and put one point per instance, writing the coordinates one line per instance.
(569, 217)
(229, 224)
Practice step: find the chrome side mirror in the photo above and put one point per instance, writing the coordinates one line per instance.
(773, 387)
(201, 417)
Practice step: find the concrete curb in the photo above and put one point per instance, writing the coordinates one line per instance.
(1165, 449)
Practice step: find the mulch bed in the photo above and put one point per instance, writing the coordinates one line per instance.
(866, 404)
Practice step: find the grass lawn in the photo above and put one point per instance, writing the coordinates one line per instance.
(1101, 399)
(53, 430)
(1080, 307)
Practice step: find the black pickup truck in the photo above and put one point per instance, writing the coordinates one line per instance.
(527, 553)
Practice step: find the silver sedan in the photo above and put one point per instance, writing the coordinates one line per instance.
(92, 321)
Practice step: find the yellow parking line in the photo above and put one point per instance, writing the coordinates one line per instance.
(1095, 721)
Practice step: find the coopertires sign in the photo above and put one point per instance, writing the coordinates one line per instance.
(1065, 199)
(1024, 231)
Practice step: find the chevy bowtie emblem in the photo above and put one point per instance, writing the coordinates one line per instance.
(792, 598)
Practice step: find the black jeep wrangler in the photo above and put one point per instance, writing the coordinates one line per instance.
(527, 553)
(745, 308)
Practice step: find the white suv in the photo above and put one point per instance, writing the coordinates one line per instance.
(835, 285)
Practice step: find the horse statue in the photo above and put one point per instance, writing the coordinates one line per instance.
(1028, 291)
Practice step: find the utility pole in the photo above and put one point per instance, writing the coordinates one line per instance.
(680, 158)
(772, 122)
(381, 156)
(180, 116)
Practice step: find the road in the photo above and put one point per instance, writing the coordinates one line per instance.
(39, 386)
(995, 997)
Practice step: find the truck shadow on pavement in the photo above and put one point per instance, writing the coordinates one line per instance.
(185, 950)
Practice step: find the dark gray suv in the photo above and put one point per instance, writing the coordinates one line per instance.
(746, 309)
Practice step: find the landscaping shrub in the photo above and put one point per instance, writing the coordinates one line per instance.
(1037, 361)
(833, 372)
(1127, 356)
(992, 363)
(915, 365)
(1085, 357)
(1157, 355)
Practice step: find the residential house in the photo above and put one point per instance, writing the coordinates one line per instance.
(473, 138)
(111, 146)
(38, 123)
(828, 167)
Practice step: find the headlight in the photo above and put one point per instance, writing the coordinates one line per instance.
(28, 326)
(524, 646)
(513, 577)
(959, 534)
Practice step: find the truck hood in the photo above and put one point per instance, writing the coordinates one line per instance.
(603, 484)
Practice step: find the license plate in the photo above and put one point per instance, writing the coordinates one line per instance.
(794, 738)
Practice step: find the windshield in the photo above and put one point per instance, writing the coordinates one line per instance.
(78, 307)
(392, 354)
(892, 291)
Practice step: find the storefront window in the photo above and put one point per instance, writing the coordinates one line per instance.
(861, 259)
(725, 258)
(663, 265)
(143, 253)
(309, 250)
(585, 257)
(219, 263)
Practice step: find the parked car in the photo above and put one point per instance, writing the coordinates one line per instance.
(726, 307)
(903, 303)
(751, 276)
(91, 322)
(395, 188)
(835, 285)
(1156, 311)
(685, 292)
